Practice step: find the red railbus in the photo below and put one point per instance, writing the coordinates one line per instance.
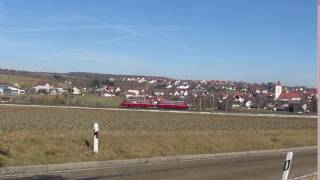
(172, 105)
(138, 103)
(149, 103)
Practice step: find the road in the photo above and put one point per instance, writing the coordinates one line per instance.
(252, 167)
(166, 111)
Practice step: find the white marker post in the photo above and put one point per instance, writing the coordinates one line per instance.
(95, 138)
(287, 165)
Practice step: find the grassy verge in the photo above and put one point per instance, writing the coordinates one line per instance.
(89, 100)
(48, 135)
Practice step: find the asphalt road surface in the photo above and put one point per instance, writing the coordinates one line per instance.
(255, 167)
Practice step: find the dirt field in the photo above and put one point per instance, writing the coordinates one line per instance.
(21, 80)
(47, 135)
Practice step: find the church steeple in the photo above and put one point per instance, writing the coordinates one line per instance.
(278, 90)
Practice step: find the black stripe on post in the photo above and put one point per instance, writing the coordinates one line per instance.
(286, 165)
(96, 134)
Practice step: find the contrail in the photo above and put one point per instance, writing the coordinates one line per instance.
(133, 33)
(28, 29)
(107, 25)
(136, 33)
(89, 46)
(39, 29)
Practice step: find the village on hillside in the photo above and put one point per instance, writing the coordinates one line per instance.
(199, 94)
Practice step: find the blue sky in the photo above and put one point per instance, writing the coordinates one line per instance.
(242, 40)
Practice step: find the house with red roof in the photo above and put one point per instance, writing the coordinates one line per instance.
(290, 96)
(286, 95)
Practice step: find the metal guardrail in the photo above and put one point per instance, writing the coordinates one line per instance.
(312, 176)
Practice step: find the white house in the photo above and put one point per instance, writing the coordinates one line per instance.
(17, 85)
(176, 93)
(142, 80)
(248, 104)
(152, 81)
(305, 107)
(132, 93)
(56, 90)
(43, 87)
(181, 93)
(76, 91)
(137, 92)
(176, 83)
(118, 89)
(6, 89)
(157, 93)
(16, 90)
(203, 82)
(183, 86)
(186, 93)
(169, 86)
(84, 90)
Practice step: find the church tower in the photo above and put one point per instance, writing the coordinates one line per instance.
(278, 90)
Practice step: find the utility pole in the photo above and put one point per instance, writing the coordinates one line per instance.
(227, 104)
(213, 102)
(210, 101)
(68, 98)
